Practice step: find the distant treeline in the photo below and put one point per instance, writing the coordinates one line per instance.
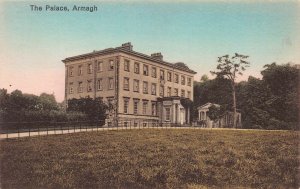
(268, 103)
(19, 107)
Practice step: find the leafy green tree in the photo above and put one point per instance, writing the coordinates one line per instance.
(229, 68)
(94, 108)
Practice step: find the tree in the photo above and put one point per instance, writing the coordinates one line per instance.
(95, 109)
(229, 68)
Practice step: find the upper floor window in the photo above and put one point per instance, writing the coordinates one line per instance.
(80, 87)
(71, 71)
(110, 83)
(71, 88)
(162, 74)
(176, 92)
(99, 85)
(182, 93)
(145, 70)
(136, 68)
(169, 76)
(182, 80)
(169, 91)
(189, 81)
(161, 91)
(136, 84)
(126, 65)
(89, 86)
(111, 65)
(80, 70)
(153, 72)
(153, 89)
(145, 87)
(176, 78)
(90, 68)
(100, 66)
(126, 83)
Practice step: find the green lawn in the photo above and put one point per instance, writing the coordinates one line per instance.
(150, 158)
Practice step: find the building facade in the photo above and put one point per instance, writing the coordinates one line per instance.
(142, 89)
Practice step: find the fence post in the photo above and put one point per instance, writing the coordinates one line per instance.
(38, 130)
(74, 126)
(47, 129)
(18, 130)
(29, 131)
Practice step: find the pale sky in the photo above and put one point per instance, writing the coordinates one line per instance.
(32, 44)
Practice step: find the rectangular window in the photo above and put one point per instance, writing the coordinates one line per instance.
(89, 86)
(176, 78)
(110, 83)
(71, 71)
(189, 81)
(80, 87)
(136, 84)
(126, 84)
(182, 80)
(176, 92)
(126, 101)
(126, 65)
(99, 85)
(135, 106)
(111, 65)
(145, 87)
(145, 107)
(189, 94)
(168, 114)
(153, 108)
(169, 76)
(71, 88)
(90, 68)
(145, 70)
(136, 68)
(161, 91)
(100, 66)
(153, 89)
(153, 73)
(169, 91)
(182, 93)
(162, 74)
(80, 70)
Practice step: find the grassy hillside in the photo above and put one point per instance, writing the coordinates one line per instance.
(152, 159)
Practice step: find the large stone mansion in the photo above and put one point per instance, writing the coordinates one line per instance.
(142, 89)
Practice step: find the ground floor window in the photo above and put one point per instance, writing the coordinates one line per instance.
(168, 114)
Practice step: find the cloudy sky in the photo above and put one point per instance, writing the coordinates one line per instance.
(33, 43)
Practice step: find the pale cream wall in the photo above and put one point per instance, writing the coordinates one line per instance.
(106, 73)
(140, 95)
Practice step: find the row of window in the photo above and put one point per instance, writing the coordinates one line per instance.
(136, 104)
(136, 87)
(99, 85)
(99, 68)
(154, 73)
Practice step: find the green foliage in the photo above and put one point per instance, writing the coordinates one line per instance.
(95, 109)
(19, 107)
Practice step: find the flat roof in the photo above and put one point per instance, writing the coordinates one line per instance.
(129, 51)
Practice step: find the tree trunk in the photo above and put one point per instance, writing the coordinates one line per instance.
(234, 105)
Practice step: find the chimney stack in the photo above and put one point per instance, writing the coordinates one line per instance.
(127, 46)
(157, 56)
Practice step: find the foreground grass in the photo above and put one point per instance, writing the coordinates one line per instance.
(152, 159)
